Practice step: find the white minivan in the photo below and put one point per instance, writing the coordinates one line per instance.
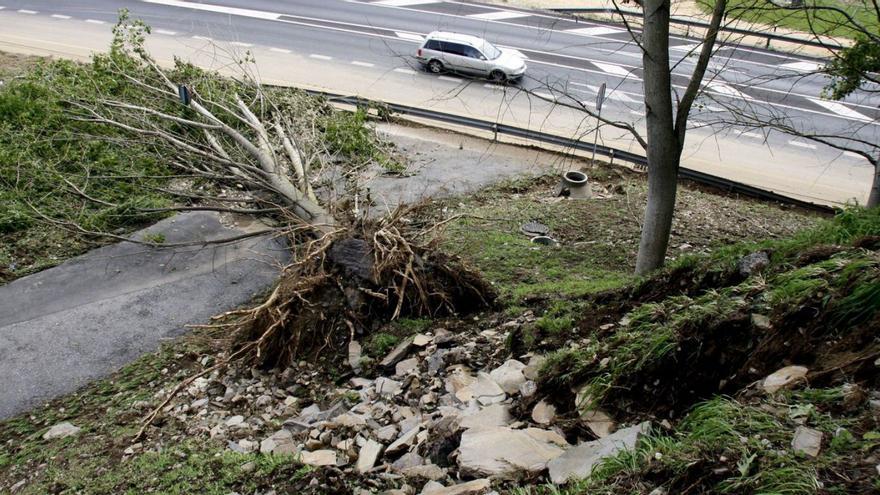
(466, 54)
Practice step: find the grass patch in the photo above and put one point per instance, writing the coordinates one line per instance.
(825, 22)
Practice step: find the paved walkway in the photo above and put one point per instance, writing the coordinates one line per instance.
(68, 325)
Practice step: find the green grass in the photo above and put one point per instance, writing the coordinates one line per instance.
(821, 22)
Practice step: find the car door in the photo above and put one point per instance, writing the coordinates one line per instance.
(476, 61)
(455, 57)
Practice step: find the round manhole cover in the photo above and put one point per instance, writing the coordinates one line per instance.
(533, 229)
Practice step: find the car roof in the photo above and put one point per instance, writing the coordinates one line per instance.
(457, 37)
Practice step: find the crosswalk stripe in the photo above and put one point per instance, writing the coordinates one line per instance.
(841, 109)
(499, 15)
(403, 3)
(410, 36)
(594, 31)
(612, 69)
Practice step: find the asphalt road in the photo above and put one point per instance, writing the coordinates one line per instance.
(66, 326)
(364, 47)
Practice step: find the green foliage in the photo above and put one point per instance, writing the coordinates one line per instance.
(350, 135)
(380, 343)
(850, 67)
(807, 19)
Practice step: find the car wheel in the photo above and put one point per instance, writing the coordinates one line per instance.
(435, 66)
(497, 76)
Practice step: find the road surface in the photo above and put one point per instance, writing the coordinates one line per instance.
(364, 48)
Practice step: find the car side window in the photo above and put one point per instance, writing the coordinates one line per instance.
(472, 52)
(433, 45)
(454, 49)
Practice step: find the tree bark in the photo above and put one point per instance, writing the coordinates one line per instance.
(663, 146)
(874, 197)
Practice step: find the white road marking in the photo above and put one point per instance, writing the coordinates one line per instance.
(363, 64)
(450, 79)
(594, 31)
(614, 95)
(29, 12)
(405, 71)
(2, 7)
(802, 145)
(60, 16)
(685, 48)
(753, 135)
(726, 90)
(802, 66)
(202, 38)
(165, 32)
(499, 15)
(279, 50)
(410, 36)
(239, 43)
(612, 69)
(95, 21)
(853, 155)
(320, 57)
(841, 109)
(403, 3)
(257, 14)
(546, 96)
(637, 112)
(588, 103)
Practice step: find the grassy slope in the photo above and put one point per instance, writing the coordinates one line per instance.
(826, 23)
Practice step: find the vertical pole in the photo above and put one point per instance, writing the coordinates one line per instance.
(596, 137)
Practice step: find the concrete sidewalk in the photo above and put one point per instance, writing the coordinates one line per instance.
(68, 325)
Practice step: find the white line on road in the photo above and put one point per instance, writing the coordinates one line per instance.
(615, 95)
(95, 21)
(2, 7)
(450, 79)
(841, 109)
(202, 38)
(594, 31)
(499, 15)
(405, 71)
(403, 3)
(802, 66)
(853, 155)
(257, 14)
(546, 96)
(279, 50)
(362, 64)
(588, 103)
(637, 112)
(612, 69)
(60, 16)
(726, 90)
(320, 57)
(25, 11)
(241, 44)
(685, 48)
(753, 135)
(802, 145)
(165, 32)
(410, 36)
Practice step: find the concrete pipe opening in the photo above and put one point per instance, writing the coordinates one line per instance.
(577, 185)
(544, 240)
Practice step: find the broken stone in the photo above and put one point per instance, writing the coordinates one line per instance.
(397, 353)
(404, 441)
(752, 263)
(503, 452)
(470, 488)
(533, 367)
(599, 422)
(354, 355)
(807, 441)
(428, 471)
(407, 461)
(386, 433)
(509, 376)
(270, 444)
(368, 455)
(761, 322)
(494, 415)
(406, 366)
(784, 378)
(348, 420)
(443, 336)
(61, 430)
(387, 386)
(421, 340)
(318, 458)
(578, 462)
(543, 413)
(484, 389)
(234, 421)
(528, 389)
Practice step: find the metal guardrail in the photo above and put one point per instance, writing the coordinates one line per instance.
(692, 23)
(543, 137)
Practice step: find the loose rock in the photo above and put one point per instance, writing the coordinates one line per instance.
(62, 430)
(503, 452)
(578, 462)
(807, 441)
(784, 378)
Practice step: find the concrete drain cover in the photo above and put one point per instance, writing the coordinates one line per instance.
(533, 229)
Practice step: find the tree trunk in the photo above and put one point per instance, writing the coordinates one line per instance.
(664, 150)
(874, 197)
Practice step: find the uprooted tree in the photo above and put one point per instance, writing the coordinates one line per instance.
(349, 273)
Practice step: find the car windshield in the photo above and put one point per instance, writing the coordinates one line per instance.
(490, 51)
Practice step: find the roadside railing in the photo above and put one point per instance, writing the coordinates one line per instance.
(636, 159)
